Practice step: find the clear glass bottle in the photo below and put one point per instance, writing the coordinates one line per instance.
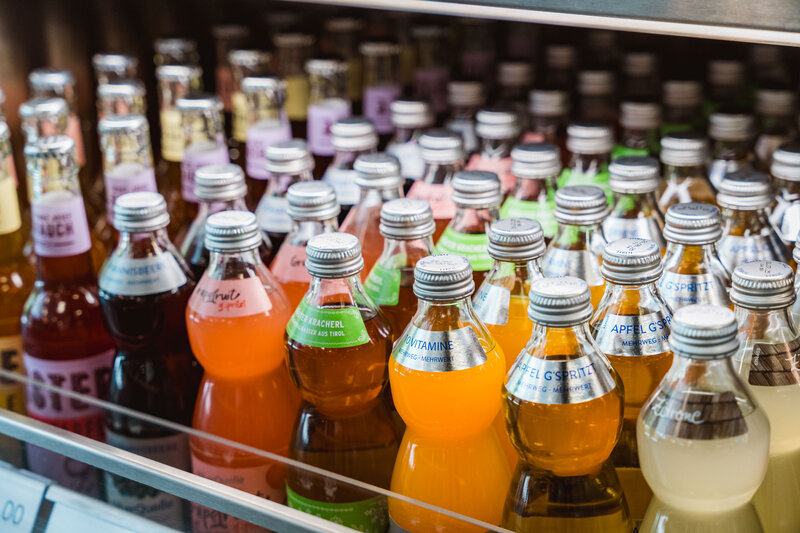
(561, 63)
(549, 115)
(477, 196)
(227, 37)
(684, 155)
(175, 51)
(635, 213)
(464, 98)
(381, 85)
(732, 135)
(596, 98)
(631, 325)
(292, 52)
(342, 37)
(328, 102)
(515, 79)
(775, 112)
(589, 145)
(410, 119)
(703, 441)
(693, 272)
(640, 123)
(351, 137)
(123, 97)
(111, 68)
(245, 64)
(747, 234)
(683, 106)
(563, 480)
(577, 248)
(641, 81)
(726, 85)
(536, 167)
(498, 132)
(432, 71)
(785, 209)
(450, 455)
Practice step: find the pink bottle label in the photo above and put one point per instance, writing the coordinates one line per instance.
(501, 167)
(320, 119)
(59, 222)
(125, 178)
(259, 136)
(532, 137)
(438, 195)
(376, 106)
(289, 264)
(229, 298)
(430, 83)
(194, 159)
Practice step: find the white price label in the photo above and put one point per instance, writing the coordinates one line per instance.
(20, 497)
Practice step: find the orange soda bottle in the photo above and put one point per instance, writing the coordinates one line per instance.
(235, 320)
(445, 374)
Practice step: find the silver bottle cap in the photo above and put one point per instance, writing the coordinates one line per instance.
(590, 138)
(199, 102)
(254, 61)
(595, 82)
(640, 115)
(411, 114)
(140, 212)
(443, 278)
(476, 189)
(639, 63)
(58, 147)
(704, 332)
(289, 157)
(441, 147)
(581, 205)
(548, 103)
(183, 74)
(353, 134)
(293, 40)
(465, 94)
(725, 72)
(633, 175)
(123, 125)
(786, 162)
(682, 93)
(684, 149)
(775, 102)
(378, 48)
(517, 240)
(731, 126)
(326, 66)
(120, 89)
(693, 224)
(406, 219)
(219, 183)
(44, 109)
(333, 255)
(48, 81)
(535, 161)
(745, 190)
(496, 124)
(631, 262)
(378, 170)
(114, 65)
(763, 285)
(178, 50)
(232, 231)
(560, 302)
(312, 200)
(514, 74)
(560, 56)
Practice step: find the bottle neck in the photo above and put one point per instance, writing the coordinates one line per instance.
(496, 148)
(446, 316)
(589, 162)
(280, 183)
(145, 244)
(440, 173)
(679, 173)
(303, 230)
(331, 87)
(515, 275)
(531, 189)
(235, 265)
(398, 253)
(731, 150)
(474, 221)
(562, 343)
(347, 291)
(776, 325)
(579, 237)
(632, 204)
(373, 196)
(690, 259)
(343, 159)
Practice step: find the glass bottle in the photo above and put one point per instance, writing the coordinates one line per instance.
(635, 213)
(684, 155)
(602, 49)
(292, 52)
(498, 132)
(477, 196)
(444, 157)
(589, 145)
(327, 103)
(641, 82)
(123, 97)
(775, 112)
(288, 162)
(313, 209)
(747, 234)
(763, 295)
(265, 123)
(767, 65)
(342, 37)
(693, 272)
(217, 188)
(640, 122)
(144, 288)
(561, 61)
(378, 176)
(464, 98)
(683, 106)
(175, 51)
(549, 113)
(563, 480)
(631, 326)
(111, 68)
(596, 99)
(337, 344)
(577, 248)
(732, 134)
(785, 209)
(536, 167)
(515, 79)
(381, 87)
(450, 455)
(726, 84)
(236, 318)
(477, 48)
(64, 341)
(432, 71)
(351, 138)
(227, 37)
(410, 119)
(703, 441)
(407, 227)
(246, 64)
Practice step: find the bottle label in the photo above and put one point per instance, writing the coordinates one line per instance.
(321, 117)
(129, 276)
(327, 327)
(125, 178)
(10, 220)
(258, 480)
(272, 214)
(376, 106)
(491, 304)
(194, 159)
(593, 176)
(60, 228)
(624, 151)
(239, 118)
(551, 382)
(785, 218)
(140, 499)
(74, 133)
(582, 264)
(289, 264)
(721, 168)
(430, 83)
(229, 298)
(297, 92)
(633, 335)
(766, 145)
(635, 228)
(466, 128)
(383, 285)
(12, 393)
(735, 249)
(437, 195)
(696, 415)
(439, 351)
(259, 136)
(542, 212)
(532, 137)
(472, 246)
(223, 78)
(687, 289)
(412, 166)
(343, 182)
(501, 167)
(172, 138)
(369, 516)
(775, 365)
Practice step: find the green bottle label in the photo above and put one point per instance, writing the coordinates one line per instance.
(327, 327)
(598, 179)
(369, 516)
(542, 212)
(622, 151)
(383, 285)
(473, 246)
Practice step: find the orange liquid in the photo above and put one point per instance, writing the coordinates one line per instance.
(288, 269)
(363, 223)
(597, 294)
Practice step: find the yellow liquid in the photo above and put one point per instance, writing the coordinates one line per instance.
(515, 334)
(661, 518)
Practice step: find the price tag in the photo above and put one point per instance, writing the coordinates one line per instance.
(21, 494)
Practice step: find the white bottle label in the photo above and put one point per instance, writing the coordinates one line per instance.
(272, 214)
(439, 351)
(581, 264)
(548, 381)
(632, 228)
(136, 277)
(412, 166)
(633, 335)
(343, 182)
(491, 304)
